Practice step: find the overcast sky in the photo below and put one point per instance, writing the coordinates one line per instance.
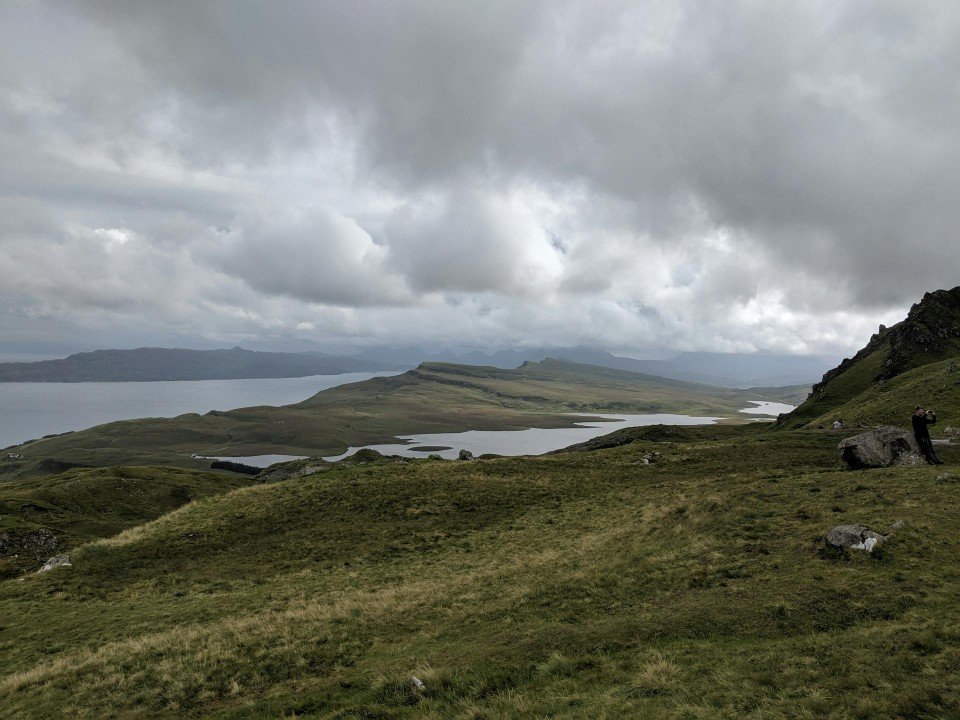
(730, 176)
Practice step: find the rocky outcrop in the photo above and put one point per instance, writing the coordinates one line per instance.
(465, 455)
(930, 333)
(882, 447)
(21, 549)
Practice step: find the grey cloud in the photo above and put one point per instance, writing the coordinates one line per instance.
(757, 173)
(312, 254)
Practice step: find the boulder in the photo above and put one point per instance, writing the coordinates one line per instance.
(465, 455)
(881, 447)
(55, 562)
(853, 537)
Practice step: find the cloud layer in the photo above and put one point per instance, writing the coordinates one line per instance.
(727, 176)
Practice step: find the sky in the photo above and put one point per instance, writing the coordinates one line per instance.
(637, 176)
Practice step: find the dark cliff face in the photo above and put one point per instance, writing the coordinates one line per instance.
(929, 333)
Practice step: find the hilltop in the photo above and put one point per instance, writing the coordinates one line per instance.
(899, 367)
(154, 364)
(434, 397)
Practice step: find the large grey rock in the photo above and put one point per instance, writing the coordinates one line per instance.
(881, 447)
(854, 537)
(466, 455)
(55, 562)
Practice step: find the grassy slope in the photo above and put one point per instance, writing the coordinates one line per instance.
(891, 402)
(840, 390)
(83, 504)
(432, 398)
(579, 585)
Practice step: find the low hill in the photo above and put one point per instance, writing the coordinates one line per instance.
(41, 516)
(432, 398)
(577, 585)
(152, 364)
(740, 370)
(929, 334)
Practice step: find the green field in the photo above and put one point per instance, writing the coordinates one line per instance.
(432, 398)
(576, 585)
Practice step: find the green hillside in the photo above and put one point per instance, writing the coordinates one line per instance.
(431, 398)
(43, 515)
(891, 402)
(577, 585)
(929, 334)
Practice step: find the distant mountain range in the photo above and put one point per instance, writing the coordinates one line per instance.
(722, 369)
(150, 364)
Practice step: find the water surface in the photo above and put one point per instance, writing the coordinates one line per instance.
(533, 441)
(768, 408)
(32, 410)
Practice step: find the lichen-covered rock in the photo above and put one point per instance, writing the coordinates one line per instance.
(465, 455)
(881, 447)
(853, 537)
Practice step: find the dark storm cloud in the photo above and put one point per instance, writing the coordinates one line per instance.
(760, 174)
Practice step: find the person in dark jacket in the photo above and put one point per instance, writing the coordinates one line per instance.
(921, 420)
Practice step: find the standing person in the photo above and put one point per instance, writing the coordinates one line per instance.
(921, 420)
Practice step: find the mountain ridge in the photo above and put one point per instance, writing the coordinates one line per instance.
(929, 334)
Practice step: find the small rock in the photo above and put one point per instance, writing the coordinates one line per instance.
(465, 455)
(947, 477)
(55, 562)
(853, 537)
(434, 456)
(898, 525)
(416, 684)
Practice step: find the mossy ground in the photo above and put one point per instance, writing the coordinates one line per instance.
(578, 585)
(87, 503)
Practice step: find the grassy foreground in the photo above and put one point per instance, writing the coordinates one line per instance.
(576, 585)
(433, 398)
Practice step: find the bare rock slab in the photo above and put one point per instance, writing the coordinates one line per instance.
(881, 447)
